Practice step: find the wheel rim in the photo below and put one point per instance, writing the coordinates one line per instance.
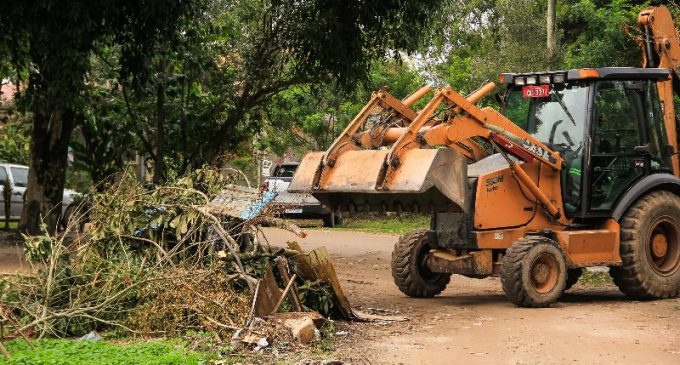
(663, 246)
(425, 273)
(544, 273)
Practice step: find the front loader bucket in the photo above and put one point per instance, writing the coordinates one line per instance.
(425, 179)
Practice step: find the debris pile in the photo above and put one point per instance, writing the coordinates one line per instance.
(184, 256)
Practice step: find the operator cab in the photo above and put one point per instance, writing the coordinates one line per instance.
(606, 123)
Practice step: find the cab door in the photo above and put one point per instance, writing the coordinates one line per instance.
(4, 178)
(626, 142)
(19, 180)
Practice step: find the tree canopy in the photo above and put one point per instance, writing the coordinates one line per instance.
(185, 83)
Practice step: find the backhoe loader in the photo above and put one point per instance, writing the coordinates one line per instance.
(578, 168)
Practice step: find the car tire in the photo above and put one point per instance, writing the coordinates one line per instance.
(66, 217)
(329, 220)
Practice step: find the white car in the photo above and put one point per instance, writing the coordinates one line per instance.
(17, 175)
(296, 205)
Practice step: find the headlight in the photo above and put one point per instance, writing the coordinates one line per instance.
(519, 81)
(544, 79)
(531, 80)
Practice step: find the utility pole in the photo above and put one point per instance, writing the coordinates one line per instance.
(551, 38)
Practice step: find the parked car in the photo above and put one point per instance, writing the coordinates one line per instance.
(296, 205)
(17, 175)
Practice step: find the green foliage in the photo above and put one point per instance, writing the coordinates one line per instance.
(600, 33)
(78, 180)
(15, 132)
(594, 278)
(164, 215)
(381, 224)
(67, 352)
(318, 296)
(146, 254)
(310, 117)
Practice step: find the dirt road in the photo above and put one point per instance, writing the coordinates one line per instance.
(472, 323)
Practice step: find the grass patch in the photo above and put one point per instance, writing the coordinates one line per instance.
(12, 225)
(384, 224)
(594, 278)
(67, 352)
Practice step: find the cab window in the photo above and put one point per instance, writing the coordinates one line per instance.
(20, 176)
(285, 171)
(3, 176)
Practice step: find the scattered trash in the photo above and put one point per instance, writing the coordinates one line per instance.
(92, 336)
(261, 344)
(367, 317)
(320, 362)
(342, 333)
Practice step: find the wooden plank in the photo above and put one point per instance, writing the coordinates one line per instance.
(282, 265)
(316, 265)
(267, 294)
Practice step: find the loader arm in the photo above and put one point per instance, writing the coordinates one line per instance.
(661, 48)
(471, 121)
(397, 112)
(357, 170)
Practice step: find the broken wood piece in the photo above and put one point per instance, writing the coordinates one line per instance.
(282, 265)
(316, 265)
(319, 320)
(293, 245)
(4, 351)
(267, 294)
(8, 317)
(285, 293)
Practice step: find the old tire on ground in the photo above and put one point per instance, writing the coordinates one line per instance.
(534, 272)
(572, 277)
(650, 248)
(408, 270)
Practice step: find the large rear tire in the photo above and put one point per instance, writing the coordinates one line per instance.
(408, 269)
(534, 272)
(650, 248)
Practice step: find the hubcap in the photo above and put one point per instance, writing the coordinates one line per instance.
(544, 273)
(664, 246)
(659, 245)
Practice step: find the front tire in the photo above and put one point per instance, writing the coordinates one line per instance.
(408, 269)
(534, 272)
(650, 248)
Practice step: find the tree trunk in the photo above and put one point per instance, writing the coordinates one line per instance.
(159, 162)
(52, 129)
(551, 39)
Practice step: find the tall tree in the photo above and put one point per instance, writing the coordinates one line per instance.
(551, 37)
(49, 43)
(209, 93)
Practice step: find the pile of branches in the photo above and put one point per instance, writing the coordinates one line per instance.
(153, 261)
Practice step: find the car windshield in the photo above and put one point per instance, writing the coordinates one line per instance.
(558, 120)
(285, 171)
(20, 176)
